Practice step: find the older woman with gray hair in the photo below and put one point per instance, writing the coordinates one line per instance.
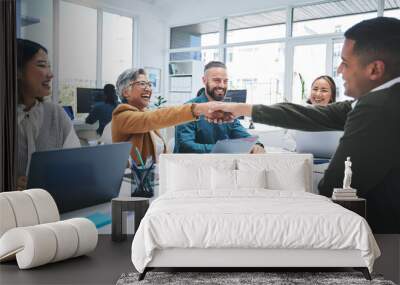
(131, 121)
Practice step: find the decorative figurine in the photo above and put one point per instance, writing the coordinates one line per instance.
(347, 174)
(347, 192)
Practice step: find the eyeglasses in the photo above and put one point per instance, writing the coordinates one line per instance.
(142, 84)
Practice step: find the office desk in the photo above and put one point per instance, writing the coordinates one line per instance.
(267, 135)
(105, 208)
(86, 132)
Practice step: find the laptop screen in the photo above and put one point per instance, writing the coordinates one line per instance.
(240, 145)
(80, 177)
(320, 144)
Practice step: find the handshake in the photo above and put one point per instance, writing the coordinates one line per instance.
(220, 112)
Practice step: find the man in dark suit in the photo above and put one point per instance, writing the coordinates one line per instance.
(371, 70)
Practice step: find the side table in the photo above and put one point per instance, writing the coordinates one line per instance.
(119, 208)
(357, 205)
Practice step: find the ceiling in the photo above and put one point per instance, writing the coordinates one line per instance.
(192, 11)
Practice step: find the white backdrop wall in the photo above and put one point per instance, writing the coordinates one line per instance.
(149, 48)
(42, 31)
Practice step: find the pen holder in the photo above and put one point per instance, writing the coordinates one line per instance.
(142, 181)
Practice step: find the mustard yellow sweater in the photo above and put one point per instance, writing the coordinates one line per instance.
(131, 124)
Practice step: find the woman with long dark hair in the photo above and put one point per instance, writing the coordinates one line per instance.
(42, 125)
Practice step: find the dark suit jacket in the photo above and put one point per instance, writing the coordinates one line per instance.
(371, 138)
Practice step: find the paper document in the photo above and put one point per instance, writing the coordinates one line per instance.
(241, 145)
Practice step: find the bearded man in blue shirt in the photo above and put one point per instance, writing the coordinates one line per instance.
(200, 136)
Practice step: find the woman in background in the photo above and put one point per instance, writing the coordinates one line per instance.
(42, 125)
(323, 91)
(132, 121)
(102, 111)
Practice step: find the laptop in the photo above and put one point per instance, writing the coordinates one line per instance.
(240, 145)
(69, 111)
(80, 177)
(320, 144)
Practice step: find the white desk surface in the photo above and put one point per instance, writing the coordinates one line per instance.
(258, 127)
(80, 124)
(105, 208)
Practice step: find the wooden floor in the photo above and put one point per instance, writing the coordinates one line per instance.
(102, 266)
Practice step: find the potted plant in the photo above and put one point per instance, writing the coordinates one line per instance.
(160, 100)
(303, 88)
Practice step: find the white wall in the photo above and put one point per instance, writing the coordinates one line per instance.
(41, 32)
(150, 33)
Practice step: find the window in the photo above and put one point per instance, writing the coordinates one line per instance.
(209, 39)
(337, 50)
(190, 55)
(204, 55)
(256, 46)
(257, 27)
(392, 8)
(78, 42)
(116, 47)
(331, 17)
(208, 55)
(259, 69)
(197, 35)
(309, 63)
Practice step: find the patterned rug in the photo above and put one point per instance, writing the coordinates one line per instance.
(243, 278)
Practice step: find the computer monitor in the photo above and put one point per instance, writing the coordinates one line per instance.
(87, 97)
(237, 96)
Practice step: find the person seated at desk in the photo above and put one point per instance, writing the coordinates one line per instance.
(131, 121)
(200, 136)
(323, 92)
(42, 125)
(102, 111)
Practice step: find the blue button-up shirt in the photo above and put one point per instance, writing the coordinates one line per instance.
(200, 136)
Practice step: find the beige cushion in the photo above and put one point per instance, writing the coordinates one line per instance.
(23, 208)
(37, 245)
(31, 232)
(7, 218)
(45, 205)
(26, 208)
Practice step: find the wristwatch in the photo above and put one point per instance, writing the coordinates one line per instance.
(260, 144)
